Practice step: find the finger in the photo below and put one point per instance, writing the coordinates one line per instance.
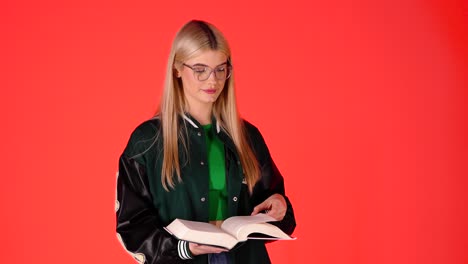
(276, 211)
(209, 249)
(256, 209)
(259, 208)
(198, 249)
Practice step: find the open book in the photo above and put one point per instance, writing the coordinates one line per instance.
(232, 231)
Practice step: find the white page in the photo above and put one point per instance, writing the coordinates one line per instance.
(233, 224)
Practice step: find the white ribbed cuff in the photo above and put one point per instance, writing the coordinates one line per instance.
(183, 249)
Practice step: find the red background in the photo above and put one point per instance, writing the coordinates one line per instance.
(362, 103)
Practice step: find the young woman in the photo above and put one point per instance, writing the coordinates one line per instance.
(196, 160)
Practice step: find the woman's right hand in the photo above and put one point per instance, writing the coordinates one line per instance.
(198, 249)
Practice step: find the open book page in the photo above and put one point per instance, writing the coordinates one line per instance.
(241, 226)
(201, 233)
(262, 229)
(233, 230)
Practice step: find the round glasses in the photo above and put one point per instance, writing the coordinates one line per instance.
(202, 72)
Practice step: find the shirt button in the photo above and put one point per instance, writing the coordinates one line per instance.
(199, 134)
(202, 199)
(238, 162)
(234, 199)
(202, 163)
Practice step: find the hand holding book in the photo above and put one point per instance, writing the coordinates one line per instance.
(233, 230)
(275, 206)
(200, 249)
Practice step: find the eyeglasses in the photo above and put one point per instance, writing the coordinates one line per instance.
(202, 72)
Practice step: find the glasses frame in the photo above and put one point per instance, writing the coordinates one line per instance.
(197, 75)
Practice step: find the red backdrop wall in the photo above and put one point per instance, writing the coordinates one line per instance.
(362, 103)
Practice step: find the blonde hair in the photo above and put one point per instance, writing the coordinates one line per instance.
(193, 38)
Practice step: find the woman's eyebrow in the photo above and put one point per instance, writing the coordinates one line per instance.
(201, 64)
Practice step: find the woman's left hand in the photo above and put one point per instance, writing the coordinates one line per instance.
(275, 206)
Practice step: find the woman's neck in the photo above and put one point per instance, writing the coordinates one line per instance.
(201, 114)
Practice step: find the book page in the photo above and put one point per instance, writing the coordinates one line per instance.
(234, 224)
(201, 226)
(201, 233)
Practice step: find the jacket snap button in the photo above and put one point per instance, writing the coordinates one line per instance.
(202, 163)
(199, 134)
(234, 199)
(202, 199)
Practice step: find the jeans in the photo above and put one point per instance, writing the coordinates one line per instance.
(220, 258)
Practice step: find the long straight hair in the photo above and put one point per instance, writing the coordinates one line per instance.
(192, 39)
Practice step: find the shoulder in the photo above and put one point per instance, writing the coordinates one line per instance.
(143, 137)
(250, 128)
(148, 128)
(254, 135)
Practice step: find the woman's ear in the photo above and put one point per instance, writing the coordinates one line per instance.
(176, 69)
(176, 73)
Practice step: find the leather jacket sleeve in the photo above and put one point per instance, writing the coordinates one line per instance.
(288, 224)
(271, 181)
(137, 220)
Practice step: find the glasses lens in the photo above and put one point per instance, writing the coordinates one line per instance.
(221, 72)
(201, 72)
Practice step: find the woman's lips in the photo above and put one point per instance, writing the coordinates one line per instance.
(210, 91)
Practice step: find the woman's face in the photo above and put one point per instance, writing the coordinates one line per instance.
(203, 93)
